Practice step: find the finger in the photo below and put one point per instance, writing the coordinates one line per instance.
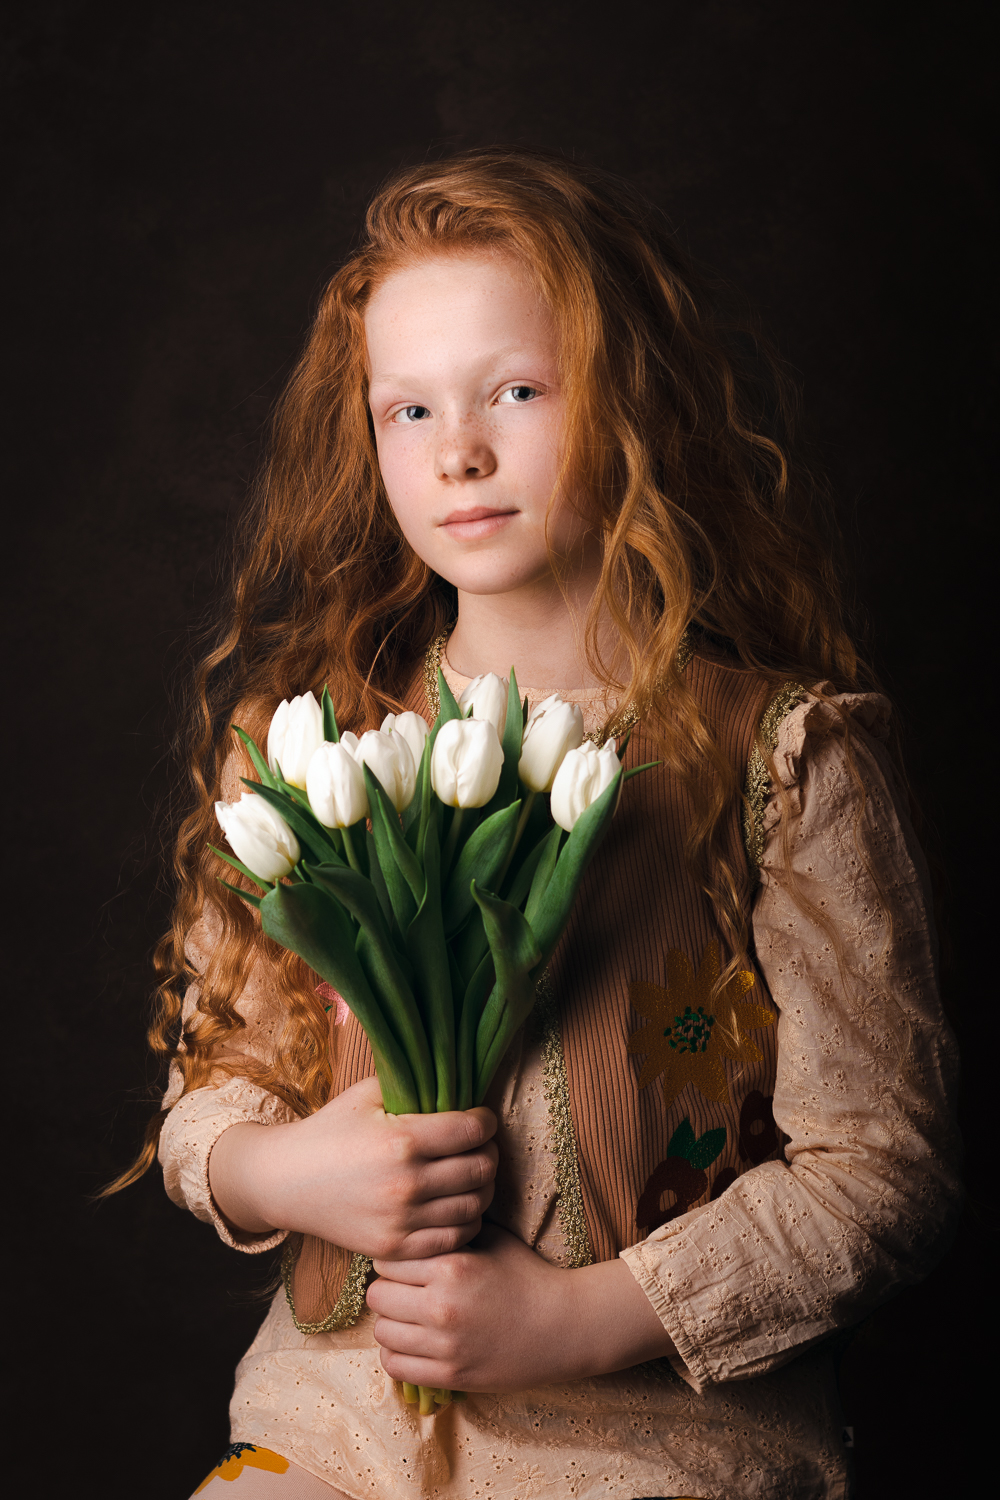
(431, 1244)
(457, 1212)
(450, 1133)
(414, 1271)
(411, 1339)
(400, 1301)
(448, 1176)
(416, 1371)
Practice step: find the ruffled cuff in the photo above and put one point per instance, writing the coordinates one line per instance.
(687, 1362)
(189, 1133)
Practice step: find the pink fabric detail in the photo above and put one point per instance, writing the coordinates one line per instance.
(333, 997)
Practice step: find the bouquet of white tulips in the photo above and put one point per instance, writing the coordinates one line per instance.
(419, 872)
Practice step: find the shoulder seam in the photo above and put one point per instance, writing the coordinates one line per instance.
(758, 777)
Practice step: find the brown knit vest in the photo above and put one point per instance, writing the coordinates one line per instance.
(662, 1089)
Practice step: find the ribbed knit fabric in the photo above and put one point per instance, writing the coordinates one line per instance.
(632, 981)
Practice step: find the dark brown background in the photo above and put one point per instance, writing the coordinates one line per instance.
(185, 176)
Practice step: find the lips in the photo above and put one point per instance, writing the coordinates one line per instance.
(476, 523)
(477, 513)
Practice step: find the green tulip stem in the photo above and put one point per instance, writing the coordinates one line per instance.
(451, 843)
(522, 824)
(350, 849)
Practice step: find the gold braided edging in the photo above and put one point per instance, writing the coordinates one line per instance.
(572, 1219)
(349, 1304)
(758, 782)
(620, 724)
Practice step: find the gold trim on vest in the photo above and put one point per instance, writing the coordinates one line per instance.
(569, 1205)
(621, 722)
(349, 1305)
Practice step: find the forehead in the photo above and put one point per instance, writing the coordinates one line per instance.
(464, 300)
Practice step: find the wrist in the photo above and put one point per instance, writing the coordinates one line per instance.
(617, 1324)
(238, 1177)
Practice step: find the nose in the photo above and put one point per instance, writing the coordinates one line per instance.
(464, 452)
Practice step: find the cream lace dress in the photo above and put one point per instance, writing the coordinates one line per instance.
(751, 1287)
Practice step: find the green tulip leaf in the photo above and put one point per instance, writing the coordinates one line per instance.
(449, 708)
(258, 880)
(397, 862)
(260, 765)
(551, 913)
(476, 994)
(237, 890)
(307, 828)
(330, 730)
(515, 954)
(482, 857)
(429, 955)
(513, 733)
(313, 924)
(649, 765)
(549, 855)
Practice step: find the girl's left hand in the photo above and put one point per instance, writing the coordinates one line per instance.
(497, 1317)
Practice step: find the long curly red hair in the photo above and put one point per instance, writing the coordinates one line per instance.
(679, 433)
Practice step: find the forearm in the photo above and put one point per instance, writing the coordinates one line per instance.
(611, 1320)
(239, 1179)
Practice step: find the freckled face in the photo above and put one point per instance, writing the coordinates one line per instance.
(469, 419)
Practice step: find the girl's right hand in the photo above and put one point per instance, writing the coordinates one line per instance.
(395, 1187)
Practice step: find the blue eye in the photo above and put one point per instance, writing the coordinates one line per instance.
(412, 414)
(519, 395)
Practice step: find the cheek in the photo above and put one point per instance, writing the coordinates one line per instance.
(398, 470)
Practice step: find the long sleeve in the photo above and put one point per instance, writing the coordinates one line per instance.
(197, 1120)
(864, 1198)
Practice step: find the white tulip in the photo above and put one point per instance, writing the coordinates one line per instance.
(580, 780)
(335, 785)
(553, 728)
(350, 743)
(258, 836)
(487, 697)
(295, 735)
(412, 727)
(388, 758)
(466, 762)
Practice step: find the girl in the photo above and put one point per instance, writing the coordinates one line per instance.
(517, 436)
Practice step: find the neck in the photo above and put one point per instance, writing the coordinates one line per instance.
(539, 630)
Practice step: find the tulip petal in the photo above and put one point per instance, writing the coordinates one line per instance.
(258, 880)
(303, 823)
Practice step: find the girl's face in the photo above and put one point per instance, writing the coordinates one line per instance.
(469, 420)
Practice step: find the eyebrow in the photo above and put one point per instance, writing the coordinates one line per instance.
(498, 356)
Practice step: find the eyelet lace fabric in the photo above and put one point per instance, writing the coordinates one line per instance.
(751, 1287)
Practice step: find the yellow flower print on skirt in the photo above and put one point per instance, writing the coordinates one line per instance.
(230, 1465)
(692, 1031)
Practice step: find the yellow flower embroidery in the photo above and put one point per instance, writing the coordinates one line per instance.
(693, 1032)
(244, 1455)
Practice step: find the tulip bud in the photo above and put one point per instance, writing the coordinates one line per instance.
(335, 785)
(466, 762)
(388, 758)
(584, 774)
(552, 728)
(413, 729)
(258, 836)
(295, 735)
(487, 697)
